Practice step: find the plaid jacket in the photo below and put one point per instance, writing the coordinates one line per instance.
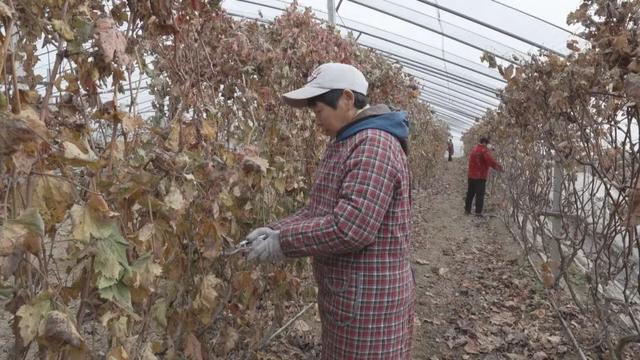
(356, 226)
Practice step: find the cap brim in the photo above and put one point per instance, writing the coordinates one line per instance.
(298, 98)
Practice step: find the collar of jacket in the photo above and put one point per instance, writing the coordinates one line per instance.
(379, 117)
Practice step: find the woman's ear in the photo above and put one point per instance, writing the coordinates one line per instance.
(348, 97)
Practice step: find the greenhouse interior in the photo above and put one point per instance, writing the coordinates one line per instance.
(339, 179)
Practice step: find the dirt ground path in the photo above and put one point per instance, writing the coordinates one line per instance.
(476, 297)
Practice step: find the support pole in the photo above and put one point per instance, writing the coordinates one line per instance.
(331, 10)
(556, 222)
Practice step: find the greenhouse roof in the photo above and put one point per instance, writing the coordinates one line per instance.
(440, 43)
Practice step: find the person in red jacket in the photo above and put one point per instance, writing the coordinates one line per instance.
(480, 161)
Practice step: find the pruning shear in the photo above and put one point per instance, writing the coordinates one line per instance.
(242, 246)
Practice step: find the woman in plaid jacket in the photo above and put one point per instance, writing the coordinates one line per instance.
(357, 223)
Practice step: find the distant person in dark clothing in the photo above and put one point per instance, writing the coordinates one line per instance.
(480, 161)
(450, 149)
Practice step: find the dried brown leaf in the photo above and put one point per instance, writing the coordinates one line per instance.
(31, 315)
(192, 347)
(540, 355)
(53, 196)
(63, 29)
(229, 340)
(23, 160)
(131, 123)
(255, 163)
(208, 298)
(22, 233)
(75, 155)
(175, 200)
(5, 11)
(32, 119)
(118, 353)
(472, 347)
(58, 330)
(112, 43)
(632, 86)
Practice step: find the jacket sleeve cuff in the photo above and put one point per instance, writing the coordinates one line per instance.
(287, 245)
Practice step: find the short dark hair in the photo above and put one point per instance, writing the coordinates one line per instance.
(484, 140)
(331, 97)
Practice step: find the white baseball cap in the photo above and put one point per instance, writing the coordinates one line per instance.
(325, 78)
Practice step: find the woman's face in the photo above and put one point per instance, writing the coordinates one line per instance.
(331, 120)
(327, 119)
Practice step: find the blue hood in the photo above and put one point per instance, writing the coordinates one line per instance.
(393, 122)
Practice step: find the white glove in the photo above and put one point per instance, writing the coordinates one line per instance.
(265, 245)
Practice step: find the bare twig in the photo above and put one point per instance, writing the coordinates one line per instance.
(6, 196)
(5, 45)
(143, 334)
(56, 66)
(153, 234)
(85, 292)
(266, 340)
(17, 106)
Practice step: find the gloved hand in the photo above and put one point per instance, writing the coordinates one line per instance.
(265, 245)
